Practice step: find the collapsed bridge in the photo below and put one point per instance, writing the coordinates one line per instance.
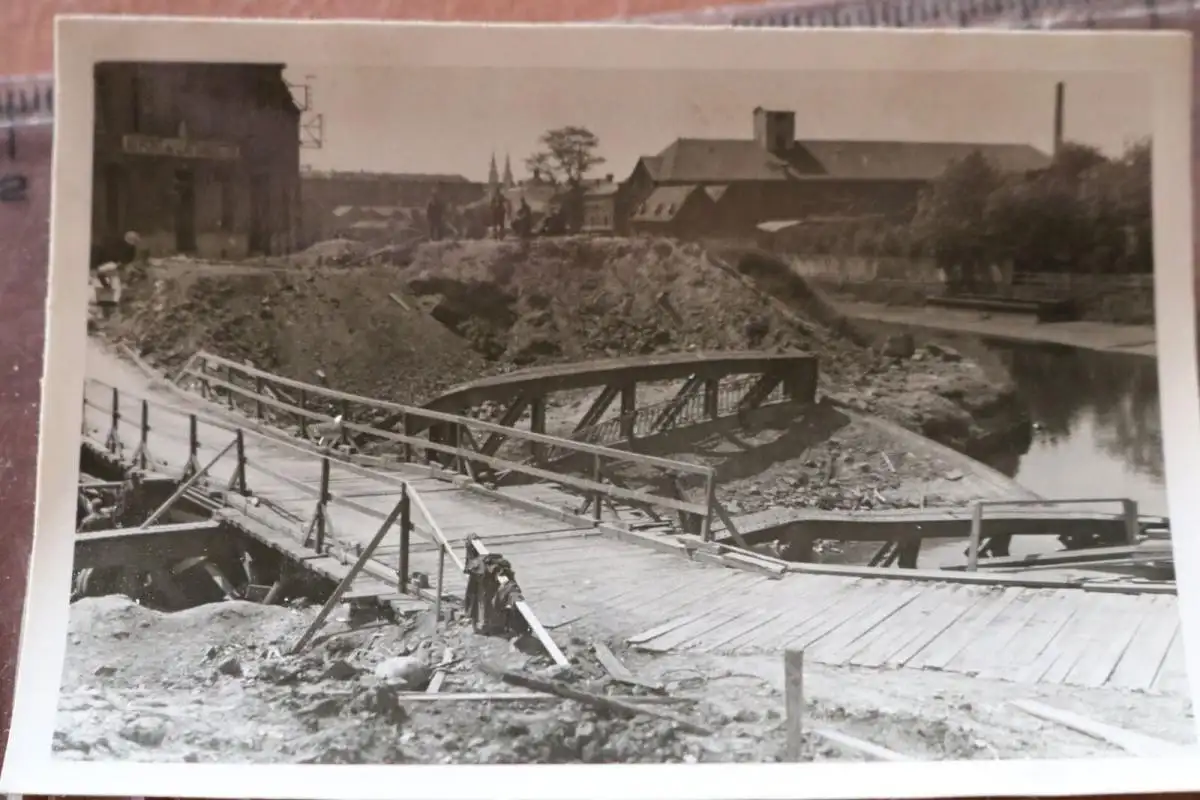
(397, 499)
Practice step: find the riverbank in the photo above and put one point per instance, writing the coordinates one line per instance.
(1100, 336)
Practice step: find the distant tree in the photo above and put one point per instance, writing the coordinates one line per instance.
(568, 152)
(541, 167)
(951, 220)
(1117, 199)
(1039, 223)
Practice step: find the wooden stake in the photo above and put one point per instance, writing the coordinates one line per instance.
(793, 677)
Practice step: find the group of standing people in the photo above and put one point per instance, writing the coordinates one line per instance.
(501, 217)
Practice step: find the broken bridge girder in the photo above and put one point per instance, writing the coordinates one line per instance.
(667, 417)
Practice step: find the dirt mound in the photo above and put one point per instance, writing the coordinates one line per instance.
(577, 298)
(294, 322)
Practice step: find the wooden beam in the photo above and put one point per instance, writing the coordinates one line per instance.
(1132, 742)
(188, 484)
(353, 572)
(160, 544)
(860, 746)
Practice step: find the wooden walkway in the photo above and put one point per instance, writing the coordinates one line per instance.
(574, 575)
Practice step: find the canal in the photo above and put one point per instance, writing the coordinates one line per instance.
(1098, 430)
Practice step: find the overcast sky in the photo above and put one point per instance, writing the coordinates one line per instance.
(450, 121)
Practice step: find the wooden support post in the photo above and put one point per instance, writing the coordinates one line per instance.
(258, 391)
(793, 677)
(357, 567)
(628, 412)
(193, 462)
(441, 578)
(229, 379)
(1132, 529)
(303, 406)
(712, 398)
(537, 424)
(343, 433)
(238, 482)
(322, 503)
(205, 390)
(976, 536)
(142, 456)
(113, 441)
(183, 487)
(405, 540)
(456, 441)
(407, 426)
(710, 501)
(597, 502)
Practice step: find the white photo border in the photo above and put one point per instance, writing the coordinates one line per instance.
(82, 41)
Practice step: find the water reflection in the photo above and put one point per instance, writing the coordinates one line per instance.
(1099, 431)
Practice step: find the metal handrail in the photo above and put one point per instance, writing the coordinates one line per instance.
(221, 376)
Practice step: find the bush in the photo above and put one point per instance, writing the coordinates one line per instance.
(1085, 213)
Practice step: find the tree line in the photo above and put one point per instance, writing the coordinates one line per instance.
(1084, 213)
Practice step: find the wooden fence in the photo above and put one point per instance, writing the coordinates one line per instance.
(134, 420)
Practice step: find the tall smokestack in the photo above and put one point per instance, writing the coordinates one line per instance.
(1060, 90)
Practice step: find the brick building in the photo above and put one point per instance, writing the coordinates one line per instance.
(773, 176)
(197, 158)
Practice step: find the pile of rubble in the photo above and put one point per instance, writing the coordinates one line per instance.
(219, 683)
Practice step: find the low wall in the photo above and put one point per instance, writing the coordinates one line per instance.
(856, 275)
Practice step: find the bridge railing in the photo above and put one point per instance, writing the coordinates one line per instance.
(460, 444)
(1129, 513)
(136, 428)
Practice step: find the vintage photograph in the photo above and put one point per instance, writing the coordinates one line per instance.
(458, 415)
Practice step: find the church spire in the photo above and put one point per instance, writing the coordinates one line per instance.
(508, 176)
(493, 177)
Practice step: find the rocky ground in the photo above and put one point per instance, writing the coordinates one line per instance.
(452, 311)
(215, 683)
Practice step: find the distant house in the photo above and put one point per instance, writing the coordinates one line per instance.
(323, 192)
(775, 176)
(602, 208)
(673, 211)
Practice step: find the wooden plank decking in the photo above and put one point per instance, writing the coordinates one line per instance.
(662, 601)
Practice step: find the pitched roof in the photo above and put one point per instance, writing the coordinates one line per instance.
(402, 177)
(602, 189)
(916, 160)
(726, 160)
(663, 203)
